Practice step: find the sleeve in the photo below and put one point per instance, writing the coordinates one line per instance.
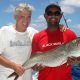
(2, 42)
(35, 44)
(71, 35)
(31, 32)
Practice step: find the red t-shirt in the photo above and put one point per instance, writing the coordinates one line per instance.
(44, 41)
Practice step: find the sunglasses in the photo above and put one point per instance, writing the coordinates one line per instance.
(50, 13)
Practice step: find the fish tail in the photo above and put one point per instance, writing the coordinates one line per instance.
(12, 74)
(16, 77)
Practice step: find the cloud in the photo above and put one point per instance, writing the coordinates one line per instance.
(77, 26)
(33, 25)
(32, 7)
(40, 19)
(76, 29)
(69, 6)
(67, 9)
(10, 9)
(75, 3)
(10, 23)
(69, 20)
(39, 23)
(38, 26)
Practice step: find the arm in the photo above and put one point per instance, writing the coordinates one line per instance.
(5, 61)
(9, 64)
(73, 60)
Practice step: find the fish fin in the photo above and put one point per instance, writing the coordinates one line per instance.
(63, 62)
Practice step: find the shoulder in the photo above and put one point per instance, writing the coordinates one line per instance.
(5, 28)
(39, 35)
(65, 29)
(31, 32)
(42, 33)
(69, 32)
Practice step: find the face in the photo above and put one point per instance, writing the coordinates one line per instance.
(53, 16)
(23, 19)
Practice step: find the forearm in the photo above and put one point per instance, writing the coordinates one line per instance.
(9, 64)
(6, 62)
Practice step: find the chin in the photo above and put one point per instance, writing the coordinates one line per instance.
(53, 24)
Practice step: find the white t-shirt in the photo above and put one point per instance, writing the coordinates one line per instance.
(16, 46)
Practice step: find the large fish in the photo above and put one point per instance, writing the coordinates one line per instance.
(54, 57)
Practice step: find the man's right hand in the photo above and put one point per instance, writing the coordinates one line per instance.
(19, 69)
(38, 67)
(9, 64)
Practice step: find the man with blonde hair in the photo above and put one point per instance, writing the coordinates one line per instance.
(15, 44)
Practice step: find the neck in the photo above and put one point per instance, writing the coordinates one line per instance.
(53, 27)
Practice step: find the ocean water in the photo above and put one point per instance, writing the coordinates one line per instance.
(34, 75)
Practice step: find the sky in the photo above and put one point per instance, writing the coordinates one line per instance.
(70, 8)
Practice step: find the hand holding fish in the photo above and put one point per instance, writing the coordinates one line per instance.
(19, 69)
(72, 60)
(38, 67)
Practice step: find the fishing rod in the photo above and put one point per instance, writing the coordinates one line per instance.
(64, 18)
(65, 21)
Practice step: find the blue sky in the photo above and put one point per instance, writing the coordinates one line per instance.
(71, 9)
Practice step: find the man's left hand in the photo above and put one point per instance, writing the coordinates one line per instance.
(63, 28)
(72, 60)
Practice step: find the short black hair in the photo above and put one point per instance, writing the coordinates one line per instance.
(52, 6)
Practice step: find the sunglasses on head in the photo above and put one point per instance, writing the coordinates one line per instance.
(50, 13)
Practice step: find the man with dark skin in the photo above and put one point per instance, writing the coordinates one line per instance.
(50, 38)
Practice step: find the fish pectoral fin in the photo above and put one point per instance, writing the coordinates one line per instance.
(64, 61)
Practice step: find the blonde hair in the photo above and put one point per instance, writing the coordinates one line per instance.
(21, 7)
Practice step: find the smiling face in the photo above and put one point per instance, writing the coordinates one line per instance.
(53, 16)
(23, 19)
(22, 16)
